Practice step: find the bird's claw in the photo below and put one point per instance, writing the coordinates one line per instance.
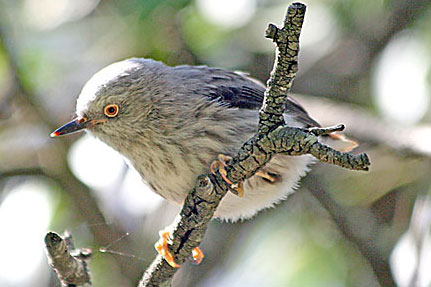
(220, 164)
(197, 256)
(162, 248)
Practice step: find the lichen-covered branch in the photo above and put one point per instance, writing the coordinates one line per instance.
(272, 137)
(188, 228)
(294, 142)
(70, 264)
(285, 66)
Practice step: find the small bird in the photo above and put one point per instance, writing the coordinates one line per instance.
(171, 123)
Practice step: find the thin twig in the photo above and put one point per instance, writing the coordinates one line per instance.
(70, 264)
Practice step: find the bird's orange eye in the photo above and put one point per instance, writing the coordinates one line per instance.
(111, 110)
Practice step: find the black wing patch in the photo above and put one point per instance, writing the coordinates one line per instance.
(251, 97)
(236, 90)
(241, 97)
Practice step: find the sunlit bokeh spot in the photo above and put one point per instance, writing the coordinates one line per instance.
(318, 35)
(48, 14)
(227, 13)
(421, 139)
(136, 196)
(400, 80)
(94, 163)
(410, 259)
(319, 28)
(404, 259)
(425, 263)
(25, 214)
(102, 168)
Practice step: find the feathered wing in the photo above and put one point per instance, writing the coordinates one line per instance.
(237, 90)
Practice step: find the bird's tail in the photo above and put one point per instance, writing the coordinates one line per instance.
(340, 142)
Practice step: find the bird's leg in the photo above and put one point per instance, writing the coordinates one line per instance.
(220, 164)
(268, 176)
(162, 248)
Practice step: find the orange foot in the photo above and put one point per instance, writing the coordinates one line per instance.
(162, 248)
(220, 164)
(197, 256)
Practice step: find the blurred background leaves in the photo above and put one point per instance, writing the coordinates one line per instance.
(363, 63)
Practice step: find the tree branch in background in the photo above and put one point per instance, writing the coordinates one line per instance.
(408, 140)
(70, 264)
(378, 263)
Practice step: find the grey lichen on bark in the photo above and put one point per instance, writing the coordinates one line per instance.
(70, 264)
(292, 141)
(285, 66)
(188, 228)
(272, 137)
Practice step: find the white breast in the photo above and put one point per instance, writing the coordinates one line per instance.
(259, 194)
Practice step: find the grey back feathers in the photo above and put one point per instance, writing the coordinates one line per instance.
(149, 78)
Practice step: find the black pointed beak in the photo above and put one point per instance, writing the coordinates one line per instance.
(71, 127)
(75, 125)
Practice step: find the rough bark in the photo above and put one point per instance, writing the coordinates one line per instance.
(70, 264)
